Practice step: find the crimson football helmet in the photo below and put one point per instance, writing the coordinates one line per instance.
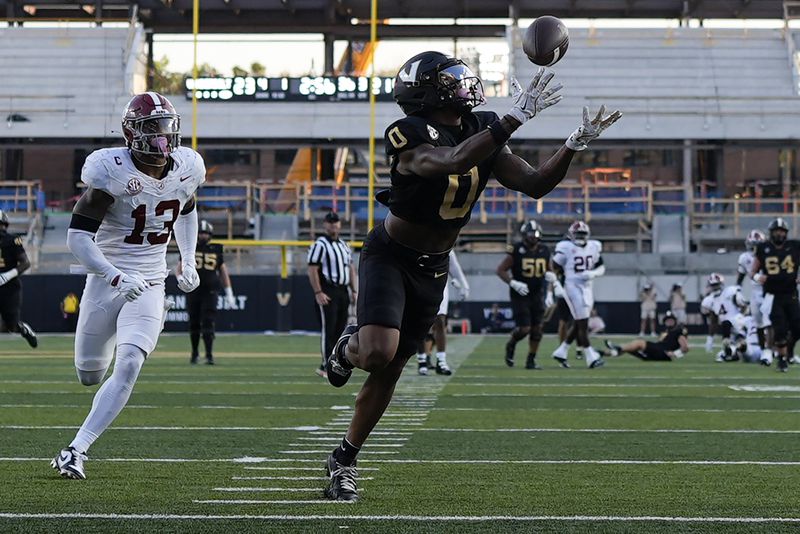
(579, 233)
(715, 282)
(432, 80)
(152, 128)
(754, 238)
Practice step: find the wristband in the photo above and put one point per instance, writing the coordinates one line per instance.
(318, 292)
(499, 134)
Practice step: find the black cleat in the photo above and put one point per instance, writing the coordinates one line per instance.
(561, 361)
(443, 369)
(338, 375)
(599, 362)
(209, 360)
(531, 364)
(509, 354)
(341, 481)
(193, 359)
(783, 365)
(422, 368)
(27, 332)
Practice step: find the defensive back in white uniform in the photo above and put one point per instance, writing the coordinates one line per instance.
(136, 197)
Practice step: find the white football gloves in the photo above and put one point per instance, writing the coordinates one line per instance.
(230, 300)
(130, 285)
(548, 299)
(188, 280)
(8, 275)
(528, 102)
(591, 129)
(519, 287)
(463, 289)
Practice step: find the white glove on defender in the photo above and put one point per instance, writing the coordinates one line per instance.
(528, 102)
(519, 287)
(129, 285)
(590, 129)
(462, 287)
(188, 279)
(8, 275)
(230, 300)
(548, 299)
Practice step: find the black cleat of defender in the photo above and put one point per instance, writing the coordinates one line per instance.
(509, 355)
(443, 369)
(27, 332)
(338, 375)
(341, 481)
(783, 364)
(531, 364)
(614, 350)
(599, 362)
(561, 361)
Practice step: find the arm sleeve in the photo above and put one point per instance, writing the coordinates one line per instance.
(81, 244)
(456, 271)
(186, 237)
(220, 256)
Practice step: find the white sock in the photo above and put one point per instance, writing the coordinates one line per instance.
(111, 397)
(422, 357)
(590, 354)
(766, 355)
(441, 357)
(562, 349)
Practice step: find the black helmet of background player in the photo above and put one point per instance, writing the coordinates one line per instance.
(579, 233)
(205, 232)
(531, 233)
(778, 230)
(3, 221)
(669, 321)
(754, 238)
(432, 80)
(152, 128)
(715, 282)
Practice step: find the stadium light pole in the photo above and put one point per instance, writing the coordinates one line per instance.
(373, 37)
(195, 31)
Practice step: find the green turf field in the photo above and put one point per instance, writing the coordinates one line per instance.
(691, 446)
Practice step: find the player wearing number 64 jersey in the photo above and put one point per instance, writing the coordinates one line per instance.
(137, 197)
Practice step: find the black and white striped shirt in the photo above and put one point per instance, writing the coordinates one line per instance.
(334, 259)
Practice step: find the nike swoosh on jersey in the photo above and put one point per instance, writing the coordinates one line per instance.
(184, 178)
(438, 275)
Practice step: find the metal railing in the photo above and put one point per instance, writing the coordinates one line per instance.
(20, 197)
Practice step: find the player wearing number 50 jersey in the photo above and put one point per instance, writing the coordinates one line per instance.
(442, 154)
(137, 197)
(579, 259)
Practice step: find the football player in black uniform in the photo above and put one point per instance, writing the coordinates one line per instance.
(202, 302)
(442, 154)
(775, 267)
(673, 345)
(527, 261)
(13, 262)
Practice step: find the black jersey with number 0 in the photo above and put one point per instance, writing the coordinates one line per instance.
(10, 250)
(530, 264)
(444, 200)
(208, 259)
(780, 265)
(669, 339)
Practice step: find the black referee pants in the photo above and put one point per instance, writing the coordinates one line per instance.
(333, 316)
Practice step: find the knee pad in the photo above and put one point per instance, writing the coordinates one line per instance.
(91, 378)
(536, 334)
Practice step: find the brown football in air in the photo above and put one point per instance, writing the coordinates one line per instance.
(545, 41)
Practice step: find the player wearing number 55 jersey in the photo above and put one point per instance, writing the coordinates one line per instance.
(775, 267)
(442, 154)
(579, 259)
(136, 198)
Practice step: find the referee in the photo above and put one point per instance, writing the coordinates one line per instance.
(331, 271)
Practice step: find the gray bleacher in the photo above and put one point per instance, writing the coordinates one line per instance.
(65, 81)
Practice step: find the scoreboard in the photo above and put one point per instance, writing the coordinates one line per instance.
(304, 89)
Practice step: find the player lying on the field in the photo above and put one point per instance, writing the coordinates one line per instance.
(743, 269)
(442, 155)
(723, 307)
(747, 342)
(578, 259)
(137, 196)
(673, 345)
(525, 269)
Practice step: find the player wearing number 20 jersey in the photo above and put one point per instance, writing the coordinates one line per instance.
(137, 197)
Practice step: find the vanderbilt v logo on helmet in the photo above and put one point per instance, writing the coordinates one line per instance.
(432, 80)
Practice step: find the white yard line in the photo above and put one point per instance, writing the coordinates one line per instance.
(416, 518)
(265, 490)
(291, 478)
